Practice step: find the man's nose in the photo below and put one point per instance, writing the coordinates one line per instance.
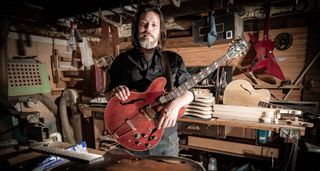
(147, 26)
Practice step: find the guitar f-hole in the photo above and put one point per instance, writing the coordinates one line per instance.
(245, 89)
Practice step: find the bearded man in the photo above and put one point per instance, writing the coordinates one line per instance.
(136, 68)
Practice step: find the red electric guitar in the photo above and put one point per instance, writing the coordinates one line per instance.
(264, 51)
(132, 122)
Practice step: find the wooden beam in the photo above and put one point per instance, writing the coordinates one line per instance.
(186, 8)
(4, 31)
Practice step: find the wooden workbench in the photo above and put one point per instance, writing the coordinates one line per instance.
(286, 130)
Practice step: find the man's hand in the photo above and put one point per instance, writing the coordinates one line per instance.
(121, 92)
(169, 115)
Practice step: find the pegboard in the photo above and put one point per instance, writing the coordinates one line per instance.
(27, 79)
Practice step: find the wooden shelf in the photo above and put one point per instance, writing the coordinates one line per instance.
(245, 124)
(69, 69)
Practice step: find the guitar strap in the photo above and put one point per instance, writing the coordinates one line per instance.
(165, 65)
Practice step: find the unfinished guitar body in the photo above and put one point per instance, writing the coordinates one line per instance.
(240, 92)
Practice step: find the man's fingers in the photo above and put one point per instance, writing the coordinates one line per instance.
(121, 92)
(127, 91)
(161, 122)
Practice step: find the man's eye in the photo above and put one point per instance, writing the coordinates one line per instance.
(154, 25)
(142, 23)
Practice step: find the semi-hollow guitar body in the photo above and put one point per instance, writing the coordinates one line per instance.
(132, 121)
(240, 92)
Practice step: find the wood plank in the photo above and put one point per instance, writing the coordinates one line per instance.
(233, 147)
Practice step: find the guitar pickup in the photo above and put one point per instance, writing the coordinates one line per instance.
(149, 113)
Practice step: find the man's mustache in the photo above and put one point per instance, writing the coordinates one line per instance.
(141, 35)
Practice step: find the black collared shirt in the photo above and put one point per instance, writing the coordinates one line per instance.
(131, 69)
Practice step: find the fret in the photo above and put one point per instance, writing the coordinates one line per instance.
(188, 85)
(201, 76)
(184, 86)
(163, 100)
(174, 94)
(194, 81)
(179, 89)
(178, 93)
(170, 97)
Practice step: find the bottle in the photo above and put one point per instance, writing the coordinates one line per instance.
(212, 165)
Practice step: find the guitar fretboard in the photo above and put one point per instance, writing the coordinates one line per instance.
(72, 155)
(239, 48)
(194, 80)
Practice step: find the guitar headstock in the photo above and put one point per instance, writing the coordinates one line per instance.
(239, 47)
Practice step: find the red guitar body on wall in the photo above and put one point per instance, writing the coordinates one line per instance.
(264, 52)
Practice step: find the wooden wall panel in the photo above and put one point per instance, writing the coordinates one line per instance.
(200, 56)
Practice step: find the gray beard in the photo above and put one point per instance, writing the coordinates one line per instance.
(147, 44)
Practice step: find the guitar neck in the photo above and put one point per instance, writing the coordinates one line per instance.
(267, 20)
(194, 80)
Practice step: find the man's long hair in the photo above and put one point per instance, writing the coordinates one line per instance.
(135, 27)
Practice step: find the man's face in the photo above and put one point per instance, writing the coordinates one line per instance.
(149, 30)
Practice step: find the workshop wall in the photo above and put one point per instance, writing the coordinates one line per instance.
(291, 60)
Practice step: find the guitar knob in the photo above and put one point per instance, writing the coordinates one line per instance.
(144, 135)
(154, 137)
(148, 145)
(138, 142)
(136, 135)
